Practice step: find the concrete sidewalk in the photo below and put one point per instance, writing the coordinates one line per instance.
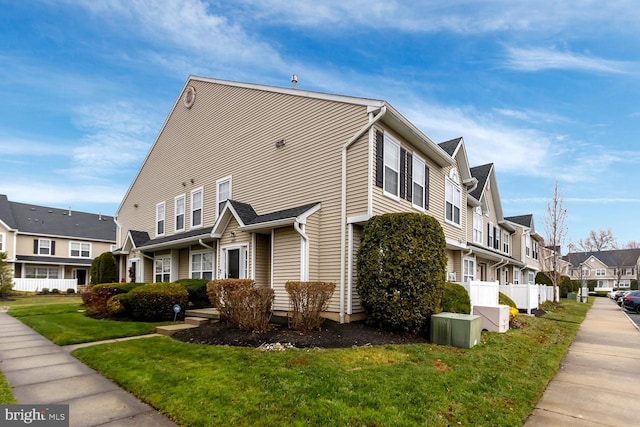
(41, 372)
(597, 384)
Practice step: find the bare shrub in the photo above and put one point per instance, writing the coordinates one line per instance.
(241, 304)
(308, 300)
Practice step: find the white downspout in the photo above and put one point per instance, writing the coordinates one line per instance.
(343, 208)
(304, 256)
(204, 244)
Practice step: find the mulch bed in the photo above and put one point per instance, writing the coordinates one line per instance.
(330, 335)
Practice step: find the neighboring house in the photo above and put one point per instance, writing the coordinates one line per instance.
(609, 269)
(275, 184)
(50, 244)
(527, 244)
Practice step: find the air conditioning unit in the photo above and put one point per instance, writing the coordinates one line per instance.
(458, 330)
(451, 276)
(493, 318)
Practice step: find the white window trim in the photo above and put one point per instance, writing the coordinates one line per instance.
(163, 219)
(164, 259)
(478, 233)
(244, 260)
(527, 243)
(506, 242)
(213, 263)
(218, 184)
(516, 276)
(395, 168)
(40, 241)
(421, 166)
(532, 278)
(184, 212)
(467, 276)
(80, 249)
(195, 191)
(490, 236)
(3, 239)
(455, 186)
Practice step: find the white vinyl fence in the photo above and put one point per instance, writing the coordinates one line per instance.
(482, 293)
(529, 296)
(37, 285)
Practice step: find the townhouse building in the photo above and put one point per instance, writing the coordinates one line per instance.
(612, 269)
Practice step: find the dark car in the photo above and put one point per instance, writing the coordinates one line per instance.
(631, 301)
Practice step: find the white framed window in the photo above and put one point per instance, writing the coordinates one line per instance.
(79, 250)
(468, 270)
(235, 262)
(2, 242)
(532, 277)
(160, 217)
(516, 276)
(527, 241)
(452, 198)
(179, 209)
(477, 226)
(496, 235)
(223, 193)
(44, 247)
(603, 283)
(600, 272)
(202, 265)
(391, 167)
(628, 271)
(41, 272)
(418, 169)
(506, 242)
(196, 207)
(535, 249)
(162, 269)
(490, 229)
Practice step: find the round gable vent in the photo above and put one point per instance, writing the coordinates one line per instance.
(189, 96)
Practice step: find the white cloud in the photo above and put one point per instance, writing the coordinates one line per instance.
(536, 59)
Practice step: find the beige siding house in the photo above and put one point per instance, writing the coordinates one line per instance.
(48, 245)
(275, 184)
(612, 269)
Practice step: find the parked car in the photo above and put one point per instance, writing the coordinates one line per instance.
(631, 301)
(617, 294)
(622, 295)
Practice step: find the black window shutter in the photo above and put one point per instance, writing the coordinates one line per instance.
(379, 159)
(409, 176)
(489, 237)
(35, 246)
(426, 187)
(495, 238)
(53, 247)
(403, 175)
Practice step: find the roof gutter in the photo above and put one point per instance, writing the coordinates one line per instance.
(343, 207)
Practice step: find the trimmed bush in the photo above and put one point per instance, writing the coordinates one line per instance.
(455, 299)
(241, 304)
(634, 285)
(401, 267)
(308, 300)
(567, 285)
(55, 291)
(117, 305)
(543, 279)
(100, 294)
(197, 289)
(104, 269)
(155, 301)
(71, 291)
(45, 291)
(505, 300)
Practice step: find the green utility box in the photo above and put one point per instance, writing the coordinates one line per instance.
(572, 296)
(458, 330)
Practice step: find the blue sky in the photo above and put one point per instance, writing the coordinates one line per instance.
(546, 90)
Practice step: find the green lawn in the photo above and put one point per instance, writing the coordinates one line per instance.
(66, 323)
(6, 398)
(33, 299)
(495, 383)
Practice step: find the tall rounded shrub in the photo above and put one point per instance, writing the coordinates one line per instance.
(104, 269)
(401, 270)
(455, 299)
(155, 301)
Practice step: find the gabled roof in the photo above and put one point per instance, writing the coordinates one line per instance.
(481, 173)
(248, 219)
(612, 258)
(451, 146)
(45, 221)
(141, 239)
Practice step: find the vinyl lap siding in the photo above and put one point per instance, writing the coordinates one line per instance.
(355, 297)
(263, 260)
(286, 264)
(312, 230)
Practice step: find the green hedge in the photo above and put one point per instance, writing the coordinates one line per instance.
(505, 300)
(100, 294)
(455, 299)
(401, 268)
(155, 301)
(197, 289)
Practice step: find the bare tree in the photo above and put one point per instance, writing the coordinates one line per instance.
(556, 235)
(631, 244)
(597, 241)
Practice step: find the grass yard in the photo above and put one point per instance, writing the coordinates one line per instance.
(27, 298)
(6, 398)
(66, 323)
(495, 383)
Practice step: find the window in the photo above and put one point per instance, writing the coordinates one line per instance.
(1, 242)
(506, 242)
(535, 249)
(163, 269)
(179, 203)
(391, 166)
(528, 244)
(41, 272)
(452, 199)
(202, 265)
(160, 213)
(477, 226)
(600, 272)
(496, 237)
(627, 271)
(223, 192)
(79, 250)
(490, 229)
(468, 270)
(196, 208)
(516, 276)
(420, 178)
(532, 277)
(44, 247)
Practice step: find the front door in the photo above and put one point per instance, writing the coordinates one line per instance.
(81, 276)
(233, 263)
